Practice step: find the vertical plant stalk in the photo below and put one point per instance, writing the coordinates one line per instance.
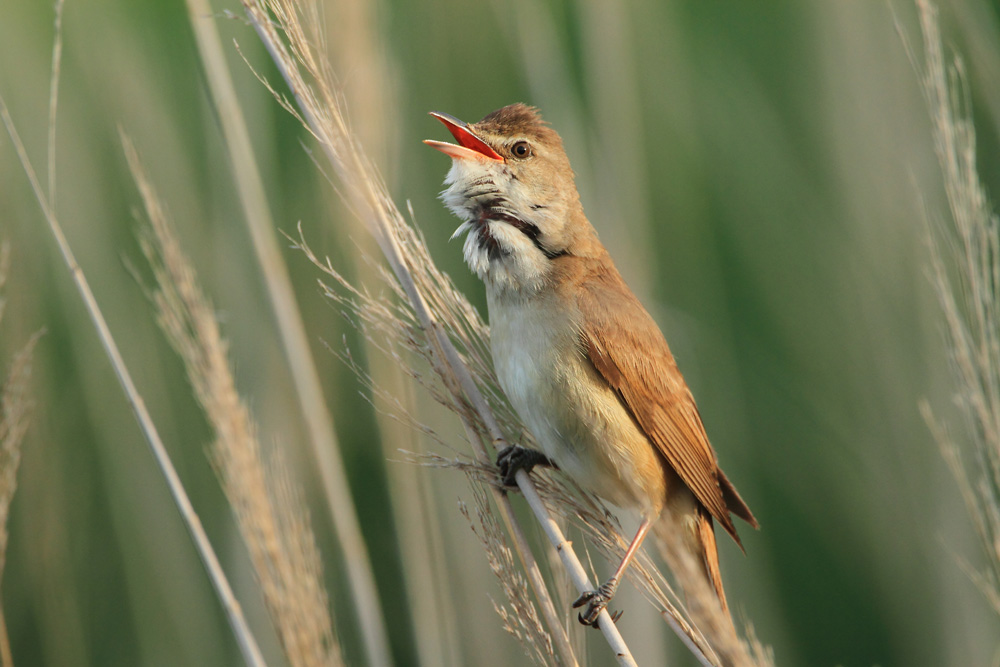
(54, 98)
(15, 410)
(245, 639)
(319, 111)
(324, 447)
(965, 263)
(272, 519)
(355, 34)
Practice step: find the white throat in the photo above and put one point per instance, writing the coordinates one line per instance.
(492, 205)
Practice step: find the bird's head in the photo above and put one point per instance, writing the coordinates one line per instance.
(512, 186)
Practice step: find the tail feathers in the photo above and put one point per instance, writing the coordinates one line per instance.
(710, 554)
(686, 538)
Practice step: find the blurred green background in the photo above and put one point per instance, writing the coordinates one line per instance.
(758, 170)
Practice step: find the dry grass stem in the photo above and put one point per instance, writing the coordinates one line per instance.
(965, 263)
(54, 97)
(521, 619)
(269, 510)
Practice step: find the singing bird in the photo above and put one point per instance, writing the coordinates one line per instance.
(581, 361)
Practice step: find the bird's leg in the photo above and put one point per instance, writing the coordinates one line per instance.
(515, 457)
(597, 600)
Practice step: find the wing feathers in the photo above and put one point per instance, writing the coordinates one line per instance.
(627, 348)
(734, 502)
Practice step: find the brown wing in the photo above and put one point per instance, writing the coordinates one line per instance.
(629, 351)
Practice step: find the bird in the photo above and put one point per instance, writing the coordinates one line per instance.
(580, 359)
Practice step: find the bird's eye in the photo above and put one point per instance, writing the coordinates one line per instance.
(521, 149)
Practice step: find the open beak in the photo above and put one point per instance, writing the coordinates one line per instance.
(470, 146)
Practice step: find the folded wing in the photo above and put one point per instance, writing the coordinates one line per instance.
(627, 348)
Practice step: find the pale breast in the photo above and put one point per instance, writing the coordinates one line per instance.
(576, 418)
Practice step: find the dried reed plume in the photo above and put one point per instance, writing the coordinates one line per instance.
(269, 510)
(521, 619)
(15, 408)
(965, 260)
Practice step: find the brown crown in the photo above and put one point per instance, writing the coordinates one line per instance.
(518, 119)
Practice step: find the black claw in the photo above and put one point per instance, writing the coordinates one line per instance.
(596, 623)
(515, 457)
(596, 602)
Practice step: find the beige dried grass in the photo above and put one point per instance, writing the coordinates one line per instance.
(521, 618)
(270, 513)
(965, 270)
(15, 412)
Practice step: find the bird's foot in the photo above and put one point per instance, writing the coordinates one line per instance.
(515, 457)
(596, 601)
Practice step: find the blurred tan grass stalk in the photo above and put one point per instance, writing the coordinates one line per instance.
(15, 409)
(965, 256)
(269, 511)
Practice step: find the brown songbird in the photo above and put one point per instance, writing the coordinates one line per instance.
(582, 362)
